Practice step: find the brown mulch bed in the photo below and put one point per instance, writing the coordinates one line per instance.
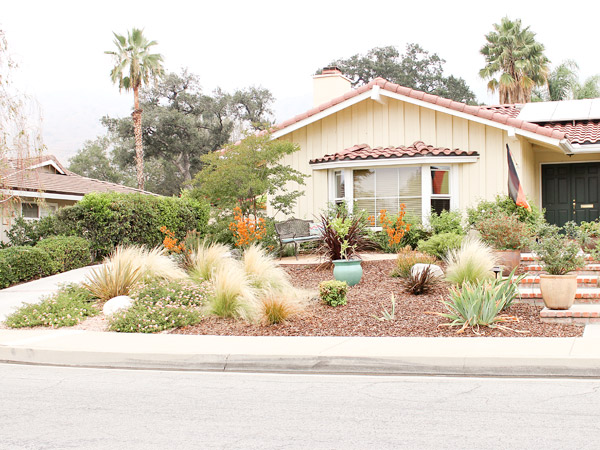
(368, 298)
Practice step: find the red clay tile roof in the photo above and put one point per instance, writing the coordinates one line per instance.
(363, 151)
(580, 132)
(511, 110)
(478, 111)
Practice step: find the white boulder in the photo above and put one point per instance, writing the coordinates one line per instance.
(434, 269)
(116, 304)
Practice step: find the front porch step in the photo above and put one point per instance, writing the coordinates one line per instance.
(530, 257)
(576, 315)
(583, 295)
(531, 281)
(588, 269)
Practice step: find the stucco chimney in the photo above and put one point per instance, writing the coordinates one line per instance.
(330, 84)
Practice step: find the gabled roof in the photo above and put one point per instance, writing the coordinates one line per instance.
(25, 174)
(365, 152)
(499, 116)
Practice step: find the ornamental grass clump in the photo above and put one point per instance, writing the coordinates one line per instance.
(160, 305)
(208, 258)
(503, 231)
(480, 304)
(69, 306)
(471, 263)
(278, 307)
(233, 294)
(407, 258)
(559, 254)
(263, 271)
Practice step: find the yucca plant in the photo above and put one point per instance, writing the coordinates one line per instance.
(476, 305)
(264, 273)
(208, 258)
(472, 262)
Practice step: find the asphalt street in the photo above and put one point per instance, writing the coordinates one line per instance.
(63, 408)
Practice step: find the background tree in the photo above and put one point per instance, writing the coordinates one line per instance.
(134, 66)
(563, 84)
(416, 69)
(515, 62)
(243, 174)
(94, 161)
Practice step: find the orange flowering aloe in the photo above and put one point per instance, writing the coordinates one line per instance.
(393, 226)
(170, 242)
(246, 230)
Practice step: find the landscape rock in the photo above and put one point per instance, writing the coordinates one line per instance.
(435, 270)
(117, 304)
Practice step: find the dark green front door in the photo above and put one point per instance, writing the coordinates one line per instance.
(571, 192)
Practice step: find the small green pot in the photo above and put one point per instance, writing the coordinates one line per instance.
(348, 270)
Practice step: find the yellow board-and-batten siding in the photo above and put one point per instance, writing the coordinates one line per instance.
(398, 123)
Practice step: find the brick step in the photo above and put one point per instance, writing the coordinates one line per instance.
(590, 269)
(577, 315)
(582, 281)
(527, 258)
(583, 295)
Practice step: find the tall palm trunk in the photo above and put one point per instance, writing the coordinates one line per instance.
(137, 131)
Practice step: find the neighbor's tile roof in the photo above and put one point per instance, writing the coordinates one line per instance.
(17, 177)
(363, 151)
(501, 116)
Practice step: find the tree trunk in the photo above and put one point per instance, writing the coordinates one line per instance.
(139, 149)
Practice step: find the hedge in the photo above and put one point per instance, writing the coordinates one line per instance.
(66, 252)
(111, 219)
(22, 264)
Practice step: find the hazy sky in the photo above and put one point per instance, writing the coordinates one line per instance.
(275, 44)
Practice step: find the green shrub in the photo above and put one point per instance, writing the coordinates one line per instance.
(407, 258)
(333, 292)
(439, 244)
(29, 232)
(446, 222)
(66, 252)
(480, 304)
(161, 305)
(19, 264)
(503, 203)
(559, 254)
(503, 231)
(111, 219)
(415, 233)
(69, 306)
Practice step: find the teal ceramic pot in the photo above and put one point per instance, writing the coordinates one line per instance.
(348, 270)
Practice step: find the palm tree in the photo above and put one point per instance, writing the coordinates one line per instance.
(513, 52)
(134, 66)
(563, 84)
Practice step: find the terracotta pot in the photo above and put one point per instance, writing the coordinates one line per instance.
(508, 260)
(558, 291)
(592, 244)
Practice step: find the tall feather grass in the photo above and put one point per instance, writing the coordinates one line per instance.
(233, 294)
(207, 259)
(278, 307)
(264, 273)
(126, 266)
(472, 262)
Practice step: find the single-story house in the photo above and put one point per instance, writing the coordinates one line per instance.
(35, 187)
(383, 144)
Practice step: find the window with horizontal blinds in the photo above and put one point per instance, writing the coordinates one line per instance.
(387, 188)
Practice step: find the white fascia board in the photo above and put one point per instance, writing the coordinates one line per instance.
(321, 115)
(508, 128)
(43, 195)
(47, 163)
(370, 163)
(579, 149)
(376, 95)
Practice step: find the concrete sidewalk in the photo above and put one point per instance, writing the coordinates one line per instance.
(546, 357)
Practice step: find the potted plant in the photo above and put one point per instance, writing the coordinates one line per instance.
(507, 235)
(342, 236)
(560, 255)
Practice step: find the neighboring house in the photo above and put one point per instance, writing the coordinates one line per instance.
(383, 144)
(38, 186)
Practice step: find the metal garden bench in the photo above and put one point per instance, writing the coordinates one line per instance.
(294, 231)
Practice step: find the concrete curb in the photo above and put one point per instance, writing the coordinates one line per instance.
(510, 357)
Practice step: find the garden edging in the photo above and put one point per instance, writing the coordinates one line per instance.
(545, 357)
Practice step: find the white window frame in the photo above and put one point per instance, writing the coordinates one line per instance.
(41, 207)
(426, 191)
